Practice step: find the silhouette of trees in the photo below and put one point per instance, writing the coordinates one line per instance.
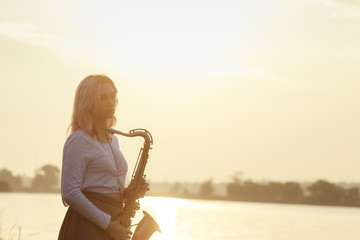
(323, 192)
(352, 196)
(9, 182)
(5, 186)
(252, 191)
(234, 188)
(46, 179)
(320, 192)
(206, 188)
(175, 188)
(293, 192)
(326, 193)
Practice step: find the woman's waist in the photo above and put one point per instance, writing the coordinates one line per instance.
(114, 196)
(113, 199)
(102, 188)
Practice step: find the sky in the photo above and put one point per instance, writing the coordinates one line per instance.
(262, 89)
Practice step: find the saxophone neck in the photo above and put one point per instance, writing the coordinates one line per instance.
(138, 132)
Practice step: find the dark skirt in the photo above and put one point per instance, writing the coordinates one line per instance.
(76, 227)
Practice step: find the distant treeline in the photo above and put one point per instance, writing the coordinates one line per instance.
(320, 192)
(46, 180)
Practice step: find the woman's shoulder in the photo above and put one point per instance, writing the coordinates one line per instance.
(79, 136)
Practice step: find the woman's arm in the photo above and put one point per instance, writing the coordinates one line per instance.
(74, 165)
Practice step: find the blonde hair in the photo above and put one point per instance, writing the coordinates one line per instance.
(87, 98)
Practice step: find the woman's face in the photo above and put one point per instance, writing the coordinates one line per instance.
(107, 104)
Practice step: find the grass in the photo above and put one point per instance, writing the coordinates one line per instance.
(11, 235)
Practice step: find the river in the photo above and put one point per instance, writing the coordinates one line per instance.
(39, 216)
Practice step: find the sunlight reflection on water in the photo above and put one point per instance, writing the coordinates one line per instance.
(40, 217)
(165, 211)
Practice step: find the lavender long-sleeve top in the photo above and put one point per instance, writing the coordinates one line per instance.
(89, 165)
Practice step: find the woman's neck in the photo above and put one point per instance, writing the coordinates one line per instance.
(101, 133)
(99, 126)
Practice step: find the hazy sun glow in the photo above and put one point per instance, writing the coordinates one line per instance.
(269, 88)
(165, 212)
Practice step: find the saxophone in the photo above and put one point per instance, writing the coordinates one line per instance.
(147, 226)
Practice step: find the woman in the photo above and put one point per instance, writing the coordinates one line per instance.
(94, 169)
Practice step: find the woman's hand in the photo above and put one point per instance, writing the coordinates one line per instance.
(144, 187)
(117, 232)
(137, 207)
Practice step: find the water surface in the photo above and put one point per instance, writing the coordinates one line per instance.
(40, 215)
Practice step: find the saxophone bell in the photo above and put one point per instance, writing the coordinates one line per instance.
(145, 228)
